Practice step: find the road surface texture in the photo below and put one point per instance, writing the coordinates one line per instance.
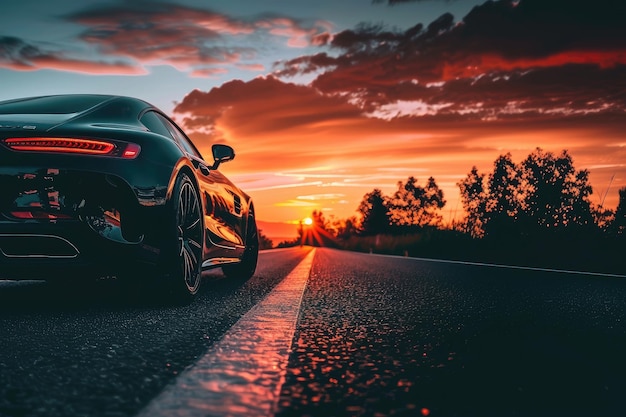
(373, 336)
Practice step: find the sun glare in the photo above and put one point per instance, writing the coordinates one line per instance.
(308, 221)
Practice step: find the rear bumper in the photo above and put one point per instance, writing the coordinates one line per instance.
(56, 222)
(66, 249)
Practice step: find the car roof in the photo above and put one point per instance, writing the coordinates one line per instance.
(65, 103)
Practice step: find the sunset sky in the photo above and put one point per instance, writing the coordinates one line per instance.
(324, 101)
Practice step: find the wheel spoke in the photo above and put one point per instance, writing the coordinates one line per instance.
(187, 267)
(191, 254)
(181, 216)
(190, 204)
(190, 268)
(194, 224)
(194, 243)
(183, 204)
(188, 261)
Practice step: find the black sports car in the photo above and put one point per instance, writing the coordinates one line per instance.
(109, 186)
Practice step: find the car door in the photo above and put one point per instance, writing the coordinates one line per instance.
(223, 211)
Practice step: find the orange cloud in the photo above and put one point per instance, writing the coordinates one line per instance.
(265, 105)
(292, 140)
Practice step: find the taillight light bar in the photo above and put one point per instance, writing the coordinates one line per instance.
(73, 145)
(94, 147)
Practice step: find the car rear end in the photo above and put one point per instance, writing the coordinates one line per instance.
(67, 205)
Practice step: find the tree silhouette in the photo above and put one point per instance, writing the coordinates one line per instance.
(413, 205)
(556, 196)
(344, 229)
(503, 208)
(374, 214)
(474, 199)
(544, 194)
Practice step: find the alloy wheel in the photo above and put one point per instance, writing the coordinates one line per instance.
(189, 233)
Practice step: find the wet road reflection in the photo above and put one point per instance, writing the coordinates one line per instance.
(399, 337)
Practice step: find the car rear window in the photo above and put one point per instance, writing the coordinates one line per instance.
(51, 105)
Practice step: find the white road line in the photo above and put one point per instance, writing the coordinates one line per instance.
(526, 268)
(242, 374)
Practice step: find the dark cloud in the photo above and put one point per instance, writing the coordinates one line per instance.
(536, 28)
(17, 54)
(530, 55)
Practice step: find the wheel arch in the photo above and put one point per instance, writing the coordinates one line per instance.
(187, 168)
(183, 166)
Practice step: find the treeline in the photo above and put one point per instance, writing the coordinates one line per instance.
(537, 212)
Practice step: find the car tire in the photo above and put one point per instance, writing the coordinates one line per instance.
(245, 269)
(182, 260)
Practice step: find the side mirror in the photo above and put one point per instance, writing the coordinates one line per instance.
(222, 153)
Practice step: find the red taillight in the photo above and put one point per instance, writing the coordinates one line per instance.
(131, 151)
(74, 145)
(70, 145)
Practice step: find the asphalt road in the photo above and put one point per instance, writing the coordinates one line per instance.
(376, 336)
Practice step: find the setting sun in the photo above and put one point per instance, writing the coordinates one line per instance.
(308, 221)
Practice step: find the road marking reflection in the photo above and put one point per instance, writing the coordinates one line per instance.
(242, 374)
